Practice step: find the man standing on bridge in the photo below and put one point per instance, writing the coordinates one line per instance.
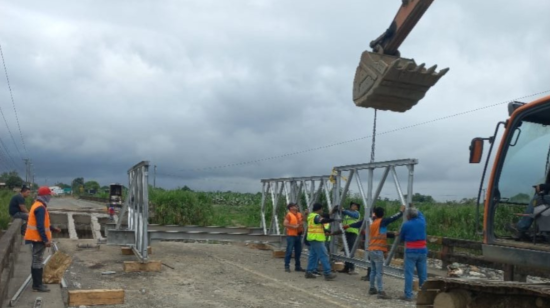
(316, 238)
(39, 234)
(294, 225)
(413, 233)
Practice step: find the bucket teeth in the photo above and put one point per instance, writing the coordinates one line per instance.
(392, 83)
(431, 70)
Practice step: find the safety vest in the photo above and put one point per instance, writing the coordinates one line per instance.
(294, 219)
(348, 221)
(327, 229)
(32, 233)
(315, 232)
(377, 240)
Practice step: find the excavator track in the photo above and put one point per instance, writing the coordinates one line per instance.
(387, 82)
(478, 293)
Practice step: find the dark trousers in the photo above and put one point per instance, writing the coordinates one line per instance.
(350, 239)
(24, 217)
(293, 243)
(38, 249)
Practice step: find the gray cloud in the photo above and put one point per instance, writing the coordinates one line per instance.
(100, 86)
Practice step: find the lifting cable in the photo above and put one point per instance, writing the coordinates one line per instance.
(373, 146)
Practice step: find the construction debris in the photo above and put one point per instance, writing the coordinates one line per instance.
(108, 273)
(55, 268)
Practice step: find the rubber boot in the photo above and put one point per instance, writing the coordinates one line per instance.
(40, 287)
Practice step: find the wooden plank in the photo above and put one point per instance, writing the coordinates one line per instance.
(278, 253)
(96, 297)
(128, 251)
(134, 266)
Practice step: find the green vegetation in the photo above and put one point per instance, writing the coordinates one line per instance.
(454, 219)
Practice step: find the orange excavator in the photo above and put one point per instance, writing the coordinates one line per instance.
(386, 81)
(520, 167)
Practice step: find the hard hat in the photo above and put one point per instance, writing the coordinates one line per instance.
(44, 190)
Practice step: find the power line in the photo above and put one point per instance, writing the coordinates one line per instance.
(359, 138)
(13, 103)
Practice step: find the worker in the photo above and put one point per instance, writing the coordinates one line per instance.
(378, 246)
(18, 208)
(541, 196)
(294, 225)
(316, 238)
(413, 233)
(350, 217)
(39, 234)
(111, 212)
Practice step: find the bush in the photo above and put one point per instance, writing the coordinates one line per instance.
(180, 207)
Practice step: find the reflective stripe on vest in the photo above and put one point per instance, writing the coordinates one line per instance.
(315, 232)
(348, 221)
(377, 240)
(32, 233)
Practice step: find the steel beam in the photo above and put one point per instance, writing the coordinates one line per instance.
(375, 165)
(125, 237)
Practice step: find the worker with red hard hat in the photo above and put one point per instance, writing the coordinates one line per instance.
(39, 234)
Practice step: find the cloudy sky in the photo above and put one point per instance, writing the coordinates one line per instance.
(193, 84)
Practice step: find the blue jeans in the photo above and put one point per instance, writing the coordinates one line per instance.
(293, 243)
(377, 269)
(318, 251)
(419, 261)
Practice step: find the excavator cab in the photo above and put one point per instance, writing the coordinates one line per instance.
(386, 81)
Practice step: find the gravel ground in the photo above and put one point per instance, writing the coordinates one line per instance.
(217, 275)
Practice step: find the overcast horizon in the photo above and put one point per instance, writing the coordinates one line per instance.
(219, 95)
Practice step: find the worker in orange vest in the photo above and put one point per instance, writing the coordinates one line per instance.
(39, 234)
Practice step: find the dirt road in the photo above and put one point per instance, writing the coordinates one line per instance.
(216, 275)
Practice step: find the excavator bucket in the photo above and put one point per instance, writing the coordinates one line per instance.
(391, 83)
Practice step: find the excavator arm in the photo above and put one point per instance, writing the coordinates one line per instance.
(386, 81)
(406, 18)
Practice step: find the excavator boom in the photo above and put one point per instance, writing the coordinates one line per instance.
(384, 80)
(406, 18)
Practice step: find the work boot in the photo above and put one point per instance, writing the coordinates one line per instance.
(316, 273)
(299, 269)
(287, 269)
(38, 285)
(383, 295)
(310, 275)
(404, 298)
(373, 291)
(330, 276)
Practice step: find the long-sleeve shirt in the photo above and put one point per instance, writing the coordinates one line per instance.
(413, 233)
(352, 214)
(385, 221)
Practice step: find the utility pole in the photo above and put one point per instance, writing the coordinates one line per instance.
(155, 177)
(27, 171)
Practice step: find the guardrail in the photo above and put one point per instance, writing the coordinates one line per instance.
(10, 243)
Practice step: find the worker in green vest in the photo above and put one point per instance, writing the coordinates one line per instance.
(351, 216)
(316, 238)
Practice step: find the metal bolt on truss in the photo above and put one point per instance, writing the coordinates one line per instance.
(137, 207)
(292, 188)
(369, 196)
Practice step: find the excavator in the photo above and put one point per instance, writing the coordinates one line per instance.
(520, 164)
(386, 81)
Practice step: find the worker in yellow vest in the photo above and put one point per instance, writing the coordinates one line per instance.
(316, 238)
(39, 234)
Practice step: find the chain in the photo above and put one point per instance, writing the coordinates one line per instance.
(373, 138)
